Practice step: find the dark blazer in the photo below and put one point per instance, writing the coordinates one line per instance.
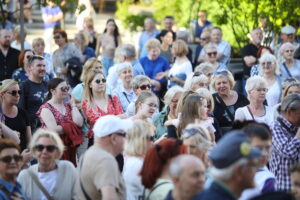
(215, 192)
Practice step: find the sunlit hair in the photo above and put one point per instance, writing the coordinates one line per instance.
(267, 57)
(191, 81)
(286, 45)
(142, 98)
(157, 157)
(6, 85)
(171, 93)
(201, 139)
(179, 48)
(208, 96)
(137, 80)
(89, 65)
(8, 144)
(152, 44)
(210, 46)
(182, 100)
(36, 41)
(84, 37)
(47, 134)
(286, 90)
(218, 74)
(205, 68)
(190, 111)
(88, 93)
(136, 138)
(253, 82)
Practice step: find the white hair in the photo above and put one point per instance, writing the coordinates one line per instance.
(122, 66)
(178, 163)
(226, 173)
(171, 93)
(267, 57)
(191, 80)
(253, 82)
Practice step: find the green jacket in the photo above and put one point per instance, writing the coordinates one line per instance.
(159, 120)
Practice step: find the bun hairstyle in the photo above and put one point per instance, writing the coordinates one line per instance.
(52, 84)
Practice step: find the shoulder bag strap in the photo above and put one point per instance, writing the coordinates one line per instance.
(111, 99)
(81, 185)
(154, 188)
(124, 93)
(224, 106)
(287, 70)
(38, 183)
(250, 112)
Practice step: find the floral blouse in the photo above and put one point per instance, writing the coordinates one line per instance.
(93, 113)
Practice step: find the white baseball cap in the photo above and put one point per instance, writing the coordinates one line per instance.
(288, 30)
(109, 124)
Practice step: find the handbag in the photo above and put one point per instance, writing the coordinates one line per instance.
(38, 183)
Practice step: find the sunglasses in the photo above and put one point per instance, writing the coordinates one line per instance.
(8, 159)
(151, 138)
(262, 89)
(145, 87)
(122, 134)
(210, 54)
(28, 57)
(15, 92)
(197, 74)
(65, 89)
(98, 81)
(49, 148)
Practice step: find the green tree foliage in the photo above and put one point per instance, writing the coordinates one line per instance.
(236, 17)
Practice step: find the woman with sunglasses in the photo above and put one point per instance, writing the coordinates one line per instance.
(256, 88)
(56, 111)
(138, 140)
(227, 101)
(22, 73)
(10, 165)
(96, 102)
(290, 67)
(15, 118)
(57, 177)
(211, 57)
(171, 99)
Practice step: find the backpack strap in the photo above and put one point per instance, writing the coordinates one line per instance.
(87, 197)
(152, 189)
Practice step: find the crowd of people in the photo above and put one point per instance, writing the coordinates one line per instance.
(100, 119)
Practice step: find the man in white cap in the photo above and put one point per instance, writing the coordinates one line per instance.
(99, 176)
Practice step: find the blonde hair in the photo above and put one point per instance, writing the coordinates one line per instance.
(152, 44)
(6, 85)
(179, 48)
(136, 138)
(205, 68)
(216, 75)
(192, 80)
(171, 93)
(84, 37)
(48, 134)
(36, 41)
(87, 93)
(142, 98)
(207, 95)
(88, 66)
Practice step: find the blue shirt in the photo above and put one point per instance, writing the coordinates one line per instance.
(89, 53)
(199, 28)
(137, 68)
(11, 189)
(144, 39)
(153, 67)
(51, 11)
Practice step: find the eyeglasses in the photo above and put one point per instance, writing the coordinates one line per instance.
(65, 89)
(122, 134)
(261, 89)
(145, 87)
(153, 105)
(8, 159)
(210, 54)
(57, 37)
(49, 148)
(289, 51)
(28, 57)
(151, 138)
(267, 63)
(221, 73)
(98, 81)
(15, 92)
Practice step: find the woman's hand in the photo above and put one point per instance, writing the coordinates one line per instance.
(156, 84)
(27, 156)
(161, 75)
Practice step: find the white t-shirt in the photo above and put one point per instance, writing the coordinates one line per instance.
(183, 68)
(273, 94)
(27, 45)
(243, 114)
(48, 180)
(134, 187)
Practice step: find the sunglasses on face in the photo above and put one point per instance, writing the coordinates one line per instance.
(8, 159)
(210, 54)
(65, 89)
(145, 87)
(151, 138)
(197, 74)
(15, 92)
(98, 81)
(49, 148)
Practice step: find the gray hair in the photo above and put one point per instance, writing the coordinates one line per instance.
(137, 80)
(178, 163)
(192, 80)
(205, 68)
(291, 102)
(128, 51)
(267, 57)
(171, 93)
(226, 173)
(17, 29)
(121, 66)
(253, 82)
(183, 35)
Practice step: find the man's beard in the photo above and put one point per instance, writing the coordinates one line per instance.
(5, 45)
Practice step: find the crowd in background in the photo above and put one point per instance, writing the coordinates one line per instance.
(100, 119)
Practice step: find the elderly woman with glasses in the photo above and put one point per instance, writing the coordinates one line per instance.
(290, 67)
(10, 165)
(195, 81)
(171, 99)
(15, 119)
(55, 112)
(57, 177)
(227, 101)
(138, 140)
(269, 71)
(211, 53)
(256, 88)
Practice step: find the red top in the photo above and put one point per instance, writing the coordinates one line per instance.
(93, 113)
